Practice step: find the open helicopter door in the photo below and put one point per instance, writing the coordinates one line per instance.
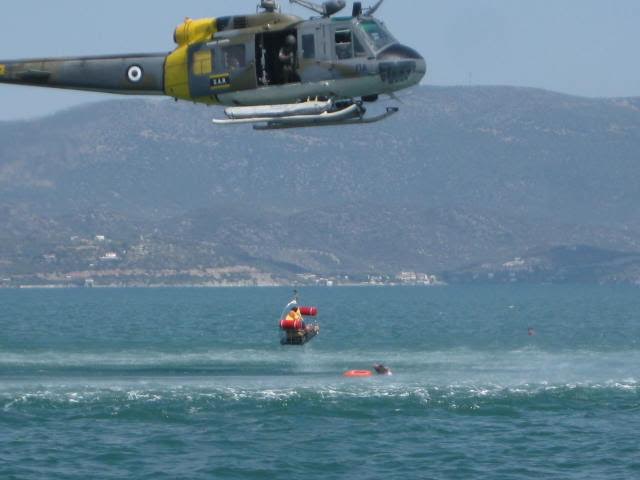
(221, 66)
(270, 69)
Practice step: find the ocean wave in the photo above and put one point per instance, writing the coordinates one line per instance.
(343, 395)
(440, 378)
(460, 356)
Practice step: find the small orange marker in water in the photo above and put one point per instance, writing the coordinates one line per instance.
(358, 373)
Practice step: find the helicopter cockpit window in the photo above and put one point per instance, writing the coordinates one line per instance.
(234, 57)
(359, 47)
(377, 34)
(344, 44)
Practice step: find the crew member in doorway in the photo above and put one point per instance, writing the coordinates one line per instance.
(287, 57)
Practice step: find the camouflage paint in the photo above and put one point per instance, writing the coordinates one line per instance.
(111, 74)
(198, 70)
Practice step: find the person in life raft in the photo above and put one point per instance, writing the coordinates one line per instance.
(294, 315)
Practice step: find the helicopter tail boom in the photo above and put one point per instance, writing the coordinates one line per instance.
(127, 74)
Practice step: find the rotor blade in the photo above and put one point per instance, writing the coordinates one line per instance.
(310, 5)
(370, 11)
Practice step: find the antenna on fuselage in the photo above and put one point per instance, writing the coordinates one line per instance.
(327, 9)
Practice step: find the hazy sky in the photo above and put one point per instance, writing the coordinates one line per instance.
(582, 47)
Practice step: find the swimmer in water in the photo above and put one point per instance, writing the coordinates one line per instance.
(532, 332)
(382, 370)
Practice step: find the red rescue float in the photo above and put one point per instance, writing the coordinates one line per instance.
(358, 374)
(309, 311)
(292, 325)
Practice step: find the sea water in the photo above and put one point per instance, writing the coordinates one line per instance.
(193, 384)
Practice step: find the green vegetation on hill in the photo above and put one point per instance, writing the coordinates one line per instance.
(463, 178)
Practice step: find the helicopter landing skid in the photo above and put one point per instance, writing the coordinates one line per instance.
(327, 122)
(308, 114)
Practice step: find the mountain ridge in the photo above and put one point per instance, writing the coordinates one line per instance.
(463, 176)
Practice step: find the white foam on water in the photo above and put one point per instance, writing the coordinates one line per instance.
(199, 394)
(423, 377)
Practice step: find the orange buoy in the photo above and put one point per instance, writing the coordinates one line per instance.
(358, 373)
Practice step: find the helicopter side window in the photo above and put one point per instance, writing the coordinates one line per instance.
(202, 62)
(234, 57)
(308, 46)
(344, 44)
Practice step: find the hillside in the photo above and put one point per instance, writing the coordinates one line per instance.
(462, 177)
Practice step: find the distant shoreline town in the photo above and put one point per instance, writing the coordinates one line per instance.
(99, 261)
(232, 277)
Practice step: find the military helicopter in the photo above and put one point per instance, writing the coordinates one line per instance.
(271, 69)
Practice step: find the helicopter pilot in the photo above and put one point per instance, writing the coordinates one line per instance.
(232, 62)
